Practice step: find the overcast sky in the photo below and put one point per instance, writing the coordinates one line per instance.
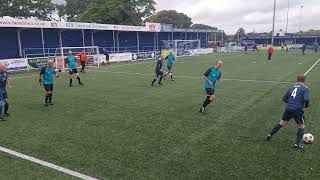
(252, 15)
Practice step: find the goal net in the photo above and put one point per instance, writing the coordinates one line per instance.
(182, 47)
(92, 52)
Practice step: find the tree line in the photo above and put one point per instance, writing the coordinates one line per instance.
(126, 12)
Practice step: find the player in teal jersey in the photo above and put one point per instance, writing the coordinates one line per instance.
(46, 77)
(169, 60)
(211, 76)
(71, 63)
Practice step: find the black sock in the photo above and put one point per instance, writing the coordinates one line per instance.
(154, 80)
(6, 108)
(79, 80)
(171, 76)
(70, 81)
(47, 98)
(206, 102)
(50, 98)
(300, 134)
(275, 129)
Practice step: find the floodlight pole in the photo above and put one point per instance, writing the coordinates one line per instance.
(288, 16)
(274, 19)
(301, 7)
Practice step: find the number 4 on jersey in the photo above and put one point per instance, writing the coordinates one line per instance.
(294, 93)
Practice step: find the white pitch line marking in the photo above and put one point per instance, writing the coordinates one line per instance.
(305, 74)
(194, 77)
(47, 164)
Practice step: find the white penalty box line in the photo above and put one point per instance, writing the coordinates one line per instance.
(47, 164)
(312, 67)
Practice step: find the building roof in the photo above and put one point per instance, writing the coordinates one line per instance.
(149, 27)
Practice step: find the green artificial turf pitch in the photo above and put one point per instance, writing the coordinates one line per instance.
(119, 127)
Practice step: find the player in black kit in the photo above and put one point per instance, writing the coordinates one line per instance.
(159, 73)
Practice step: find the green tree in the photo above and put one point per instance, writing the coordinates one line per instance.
(40, 9)
(72, 9)
(312, 32)
(240, 33)
(107, 11)
(172, 17)
(202, 26)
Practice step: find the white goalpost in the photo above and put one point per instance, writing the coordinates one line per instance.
(182, 47)
(92, 52)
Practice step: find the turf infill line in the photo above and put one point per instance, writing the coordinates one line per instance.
(47, 164)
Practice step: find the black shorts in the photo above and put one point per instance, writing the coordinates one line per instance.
(297, 115)
(159, 73)
(73, 71)
(83, 63)
(169, 68)
(210, 91)
(48, 87)
(3, 95)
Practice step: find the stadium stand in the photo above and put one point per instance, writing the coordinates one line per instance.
(29, 38)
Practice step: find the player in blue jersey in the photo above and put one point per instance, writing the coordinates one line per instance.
(158, 70)
(211, 76)
(46, 77)
(296, 99)
(169, 60)
(71, 63)
(4, 82)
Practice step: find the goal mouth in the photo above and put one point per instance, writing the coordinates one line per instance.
(92, 53)
(182, 47)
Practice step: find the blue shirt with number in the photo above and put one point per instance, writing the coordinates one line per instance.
(71, 61)
(213, 74)
(47, 75)
(297, 97)
(3, 81)
(169, 59)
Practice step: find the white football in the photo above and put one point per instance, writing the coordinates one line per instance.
(308, 138)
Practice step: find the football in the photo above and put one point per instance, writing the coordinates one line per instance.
(308, 138)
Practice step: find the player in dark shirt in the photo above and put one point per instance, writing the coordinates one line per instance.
(296, 99)
(304, 49)
(106, 53)
(255, 48)
(4, 82)
(158, 70)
